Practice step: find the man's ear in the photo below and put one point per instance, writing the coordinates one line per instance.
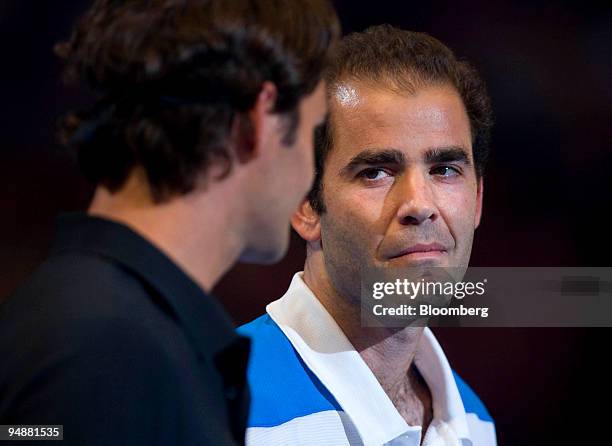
(479, 195)
(251, 130)
(306, 222)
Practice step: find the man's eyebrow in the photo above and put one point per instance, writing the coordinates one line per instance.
(446, 155)
(373, 157)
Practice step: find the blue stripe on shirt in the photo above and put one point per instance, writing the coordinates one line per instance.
(471, 402)
(282, 386)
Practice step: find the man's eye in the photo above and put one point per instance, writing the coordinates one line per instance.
(446, 171)
(373, 174)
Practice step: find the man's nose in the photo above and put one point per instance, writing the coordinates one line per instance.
(416, 198)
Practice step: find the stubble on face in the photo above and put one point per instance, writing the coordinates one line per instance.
(401, 172)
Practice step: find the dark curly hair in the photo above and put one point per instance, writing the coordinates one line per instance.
(403, 61)
(172, 76)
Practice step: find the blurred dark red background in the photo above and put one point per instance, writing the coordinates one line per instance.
(549, 70)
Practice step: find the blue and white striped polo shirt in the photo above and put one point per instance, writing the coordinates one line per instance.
(309, 386)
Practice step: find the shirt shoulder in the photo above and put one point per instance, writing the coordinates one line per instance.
(471, 402)
(479, 420)
(80, 286)
(282, 386)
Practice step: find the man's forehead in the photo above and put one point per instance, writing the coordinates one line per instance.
(365, 116)
(346, 94)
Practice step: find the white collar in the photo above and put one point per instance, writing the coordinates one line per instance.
(331, 357)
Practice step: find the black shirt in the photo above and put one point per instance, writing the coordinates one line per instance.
(110, 339)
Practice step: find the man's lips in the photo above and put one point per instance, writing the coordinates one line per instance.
(421, 250)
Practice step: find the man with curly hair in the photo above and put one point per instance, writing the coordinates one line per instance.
(200, 147)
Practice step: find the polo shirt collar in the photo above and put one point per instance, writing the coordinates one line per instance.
(176, 291)
(327, 352)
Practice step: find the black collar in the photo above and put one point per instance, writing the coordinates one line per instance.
(206, 323)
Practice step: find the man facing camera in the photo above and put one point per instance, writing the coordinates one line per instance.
(201, 148)
(399, 184)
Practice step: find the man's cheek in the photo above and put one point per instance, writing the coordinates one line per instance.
(465, 234)
(344, 229)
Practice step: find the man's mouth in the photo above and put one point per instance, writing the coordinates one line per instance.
(421, 251)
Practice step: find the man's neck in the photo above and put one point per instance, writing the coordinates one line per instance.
(388, 352)
(193, 230)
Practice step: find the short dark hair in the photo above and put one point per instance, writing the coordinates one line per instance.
(171, 76)
(403, 61)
